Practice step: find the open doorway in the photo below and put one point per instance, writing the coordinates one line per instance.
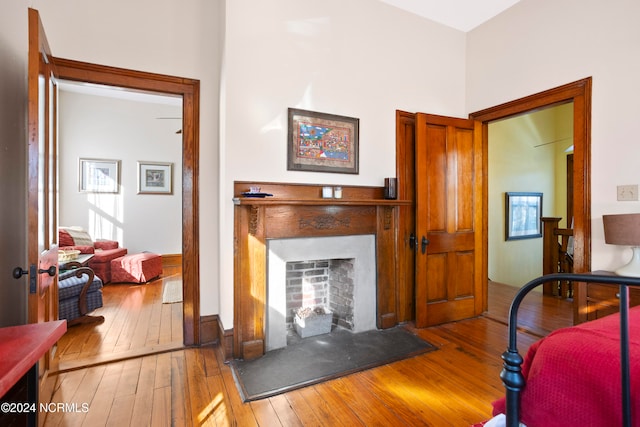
(188, 91)
(578, 94)
(527, 155)
(141, 132)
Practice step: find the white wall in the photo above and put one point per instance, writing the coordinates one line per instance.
(102, 127)
(540, 44)
(359, 58)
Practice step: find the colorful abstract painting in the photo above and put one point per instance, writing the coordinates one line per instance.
(322, 142)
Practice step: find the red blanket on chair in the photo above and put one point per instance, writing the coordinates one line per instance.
(573, 376)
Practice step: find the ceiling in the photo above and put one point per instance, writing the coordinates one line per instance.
(118, 92)
(463, 15)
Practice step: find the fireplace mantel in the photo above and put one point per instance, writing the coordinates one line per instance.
(298, 210)
(318, 202)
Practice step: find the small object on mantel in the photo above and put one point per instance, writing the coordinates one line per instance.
(327, 192)
(256, 195)
(390, 186)
(254, 191)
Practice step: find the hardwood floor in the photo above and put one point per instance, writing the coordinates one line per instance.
(136, 323)
(454, 385)
(538, 314)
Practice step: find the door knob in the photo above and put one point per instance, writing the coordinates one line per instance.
(51, 271)
(18, 272)
(424, 242)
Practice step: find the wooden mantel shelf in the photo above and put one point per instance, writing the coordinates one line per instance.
(311, 195)
(318, 202)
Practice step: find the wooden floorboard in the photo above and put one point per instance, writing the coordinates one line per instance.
(538, 313)
(136, 323)
(454, 385)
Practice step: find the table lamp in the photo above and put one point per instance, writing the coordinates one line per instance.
(624, 229)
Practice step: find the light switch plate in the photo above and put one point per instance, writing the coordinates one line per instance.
(628, 192)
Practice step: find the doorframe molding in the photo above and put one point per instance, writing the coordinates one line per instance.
(189, 89)
(578, 92)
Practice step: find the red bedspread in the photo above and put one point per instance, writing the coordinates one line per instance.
(573, 376)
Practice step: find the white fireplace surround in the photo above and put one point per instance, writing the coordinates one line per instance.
(362, 248)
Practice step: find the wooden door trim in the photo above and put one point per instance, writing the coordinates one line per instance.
(405, 254)
(578, 92)
(189, 89)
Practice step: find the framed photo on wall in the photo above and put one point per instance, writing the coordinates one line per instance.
(523, 215)
(98, 176)
(321, 142)
(155, 178)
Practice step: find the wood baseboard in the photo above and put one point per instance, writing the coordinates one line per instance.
(209, 329)
(171, 259)
(212, 331)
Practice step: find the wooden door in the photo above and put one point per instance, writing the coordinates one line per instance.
(42, 254)
(449, 283)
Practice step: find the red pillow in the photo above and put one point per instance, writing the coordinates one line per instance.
(64, 238)
(105, 244)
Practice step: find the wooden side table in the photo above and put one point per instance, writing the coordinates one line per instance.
(81, 261)
(603, 299)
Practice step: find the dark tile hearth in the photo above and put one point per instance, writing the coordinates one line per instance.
(320, 358)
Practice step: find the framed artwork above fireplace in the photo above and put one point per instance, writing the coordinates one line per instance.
(321, 142)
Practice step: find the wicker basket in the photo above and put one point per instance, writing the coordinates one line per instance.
(67, 255)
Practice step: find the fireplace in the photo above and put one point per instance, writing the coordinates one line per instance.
(317, 286)
(295, 213)
(360, 250)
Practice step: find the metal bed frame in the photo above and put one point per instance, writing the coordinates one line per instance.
(511, 374)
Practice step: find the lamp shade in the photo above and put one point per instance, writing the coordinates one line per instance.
(622, 229)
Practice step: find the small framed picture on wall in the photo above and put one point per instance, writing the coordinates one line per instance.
(155, 178)
(98, 176)
(523, 215)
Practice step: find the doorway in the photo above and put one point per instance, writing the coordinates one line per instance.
(188, 89)
(579, 94)
(527, 155)
(137, 131)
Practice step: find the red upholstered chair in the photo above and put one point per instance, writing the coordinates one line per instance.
(104, 250)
